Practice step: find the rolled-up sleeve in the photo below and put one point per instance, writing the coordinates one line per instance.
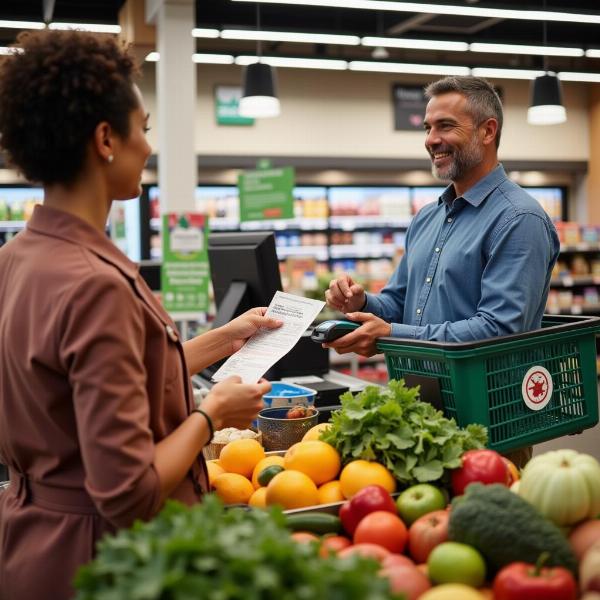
(101, 346)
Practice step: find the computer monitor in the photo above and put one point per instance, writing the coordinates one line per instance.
(244, 270)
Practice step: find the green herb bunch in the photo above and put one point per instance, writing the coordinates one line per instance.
(391, 426)
(213, 553)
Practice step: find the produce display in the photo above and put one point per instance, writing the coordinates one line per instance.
(389, 500)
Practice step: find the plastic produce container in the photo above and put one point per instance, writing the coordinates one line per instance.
(525, 388)
(286, 395)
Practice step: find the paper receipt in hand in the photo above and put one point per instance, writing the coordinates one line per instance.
(267, 346)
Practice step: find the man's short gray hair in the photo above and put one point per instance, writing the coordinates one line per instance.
(482, 99)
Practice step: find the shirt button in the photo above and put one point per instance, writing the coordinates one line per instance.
(449, 219)
(418, 311)
(171, 333)
(437, 249)
(428, 280)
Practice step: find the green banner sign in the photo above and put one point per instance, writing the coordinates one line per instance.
(227, 101)
(184, 273)
(266, 194)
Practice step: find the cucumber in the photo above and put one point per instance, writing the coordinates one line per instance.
(319, 523)
(268, 473)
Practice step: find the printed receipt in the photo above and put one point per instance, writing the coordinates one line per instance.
(267, 346)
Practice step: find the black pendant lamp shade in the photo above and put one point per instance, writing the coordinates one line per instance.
(259, 96)
(546, 104)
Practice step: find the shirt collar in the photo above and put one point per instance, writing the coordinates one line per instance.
(480, 191)
(63, 225)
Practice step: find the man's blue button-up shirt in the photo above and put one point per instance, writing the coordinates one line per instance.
(475, 267)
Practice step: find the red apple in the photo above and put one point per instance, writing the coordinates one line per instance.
(370, 499)
(485, 466)
(369, 550)
(396, 560)
(406, 580)
(426, 533)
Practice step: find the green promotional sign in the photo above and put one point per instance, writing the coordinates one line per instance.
(184, 272)
(227, 101)
(266, 194)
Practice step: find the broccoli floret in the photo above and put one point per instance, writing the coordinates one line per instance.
(505, 528)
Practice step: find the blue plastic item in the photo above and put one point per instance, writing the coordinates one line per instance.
(284, 395)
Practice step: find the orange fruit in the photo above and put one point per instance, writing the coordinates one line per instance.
(320, 461)
(214, 470)
(314, 433)
(291, 489)
(360, 473)
(241, 456)
(259, 498)
(263, 464)
(233, 488)
(330, 492)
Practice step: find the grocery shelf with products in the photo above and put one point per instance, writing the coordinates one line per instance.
(16, 207)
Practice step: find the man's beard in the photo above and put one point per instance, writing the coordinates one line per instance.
(461, 161)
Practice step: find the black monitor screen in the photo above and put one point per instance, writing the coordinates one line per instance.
(244, 271)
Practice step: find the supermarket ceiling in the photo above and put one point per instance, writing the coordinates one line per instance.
(579, 40)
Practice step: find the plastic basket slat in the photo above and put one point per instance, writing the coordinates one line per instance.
(482, 382)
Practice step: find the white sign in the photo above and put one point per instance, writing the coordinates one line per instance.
(537, 387)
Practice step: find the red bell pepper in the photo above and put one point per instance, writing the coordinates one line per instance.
(523, 581)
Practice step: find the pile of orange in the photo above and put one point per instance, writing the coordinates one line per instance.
(311, 474)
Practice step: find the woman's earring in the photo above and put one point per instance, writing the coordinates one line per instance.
(110, 158)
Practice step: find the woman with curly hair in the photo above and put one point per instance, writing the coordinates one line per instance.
(98, 425)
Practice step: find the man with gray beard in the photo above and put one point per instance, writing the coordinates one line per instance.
(477, 263)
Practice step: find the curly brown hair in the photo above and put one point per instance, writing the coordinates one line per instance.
(54, 90)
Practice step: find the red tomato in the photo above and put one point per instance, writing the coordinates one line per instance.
(369, 499)
(485, 466)
(406, 580)
(332, 544)
(426, 533)
(383, 528)
(367, 550)
(522, 581)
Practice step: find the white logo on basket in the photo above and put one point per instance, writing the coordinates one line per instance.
(537, 388)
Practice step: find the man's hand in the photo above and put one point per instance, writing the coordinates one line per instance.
(246, 325)
(362, 340)
(345, 295)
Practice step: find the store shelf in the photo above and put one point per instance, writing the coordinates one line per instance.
(584, 309)
(575, 280)
(216, 224)
(352, 222)
(355, 251)
(318, 252)
(12, 225)
(581, 247)
(303, 223)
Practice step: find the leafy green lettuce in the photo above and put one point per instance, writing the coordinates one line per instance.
(391, 426)
(208, 552)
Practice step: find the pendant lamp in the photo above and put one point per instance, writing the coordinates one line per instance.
(259, 96)
(546, 103)
(546, 96)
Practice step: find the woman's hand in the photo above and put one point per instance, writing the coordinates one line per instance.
(246, 325)
(231, 403)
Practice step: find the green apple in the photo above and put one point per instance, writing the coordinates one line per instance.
(451, 562)
(418, 500)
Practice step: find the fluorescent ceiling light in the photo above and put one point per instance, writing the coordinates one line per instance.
(213, 59)
(21, 24)
(389, 67)
(202, 32)
(300, 63)
(152, 57)
(93, 27)
(290, 36)
(573, 76)
(592, 53)
(415, 44)
(446, 9)
(523, 49)
(505, 73)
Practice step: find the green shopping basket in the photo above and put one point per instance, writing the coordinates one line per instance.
(525, 388)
